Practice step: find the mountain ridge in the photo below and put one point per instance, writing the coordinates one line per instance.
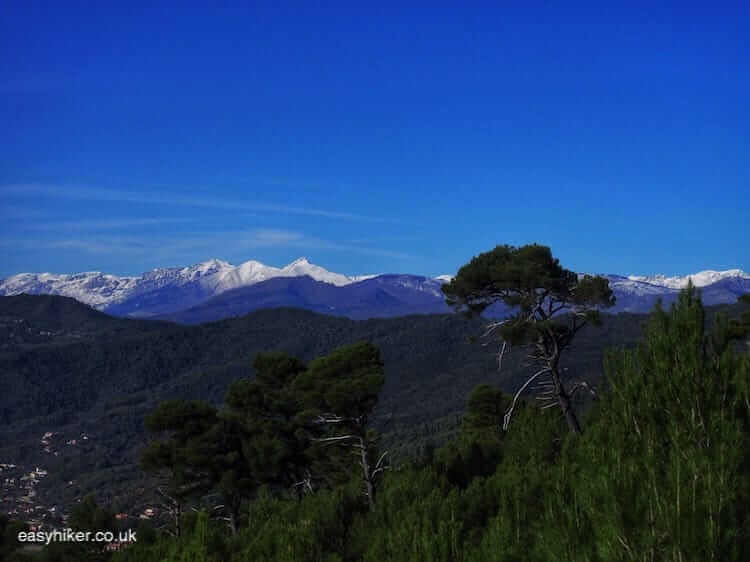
(202, 280)
(180, 292)
(383, 296)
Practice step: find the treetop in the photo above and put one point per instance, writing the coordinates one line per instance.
(523, 276)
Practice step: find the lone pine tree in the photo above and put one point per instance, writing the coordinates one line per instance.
(551, 305)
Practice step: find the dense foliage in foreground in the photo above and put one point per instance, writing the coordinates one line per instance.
(660, 473)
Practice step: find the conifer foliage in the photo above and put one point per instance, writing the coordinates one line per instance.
(661, 473)
(551, 305)
(341, 391)
(271, 433)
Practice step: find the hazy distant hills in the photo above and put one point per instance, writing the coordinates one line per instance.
(380, 297)
(215, 289)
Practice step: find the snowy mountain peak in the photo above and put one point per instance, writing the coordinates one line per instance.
(213, 264)
(700, 279)
(301, 266)
(212, 276)
(205, 268)
(184, 286)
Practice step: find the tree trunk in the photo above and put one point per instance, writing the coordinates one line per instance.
(367, 475)
(565, 404)
(233, 521)
(177, 516)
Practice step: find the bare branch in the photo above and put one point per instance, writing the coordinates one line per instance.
(509, 412)
(326, 418)
(380, 460)
(491, 327)
(500, 355)
(334, 439)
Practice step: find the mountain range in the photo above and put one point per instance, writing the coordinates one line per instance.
(216, 289)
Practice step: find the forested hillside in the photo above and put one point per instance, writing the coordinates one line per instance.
(658, 473)
(105, 382)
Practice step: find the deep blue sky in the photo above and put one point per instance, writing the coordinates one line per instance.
(372, 137)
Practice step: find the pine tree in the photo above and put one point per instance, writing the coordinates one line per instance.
(264, 413)
(659, 476)
(184, 450)
(340, 391)
(551, 304)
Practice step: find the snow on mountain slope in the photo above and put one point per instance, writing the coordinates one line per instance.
(242, 275)
(301, 267)
(415, 283)
(91, 287)
(180, 276)
(358, 278)
(167, 290)
(700, 279)
(207, 278)
(636, 287)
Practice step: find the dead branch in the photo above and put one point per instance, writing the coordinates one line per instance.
(509, 412)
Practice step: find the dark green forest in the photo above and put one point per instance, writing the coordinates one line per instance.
(104, 381)
(317, 450)
(659, 472)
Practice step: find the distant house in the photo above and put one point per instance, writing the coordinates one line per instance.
(148, 513)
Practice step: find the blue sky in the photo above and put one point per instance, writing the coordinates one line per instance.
(370, 137)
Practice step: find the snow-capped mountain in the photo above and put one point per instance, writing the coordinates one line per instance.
(92, 287)
(639, 293)
(165, 292)
(629, 285)
(700, 279)
(184, 286)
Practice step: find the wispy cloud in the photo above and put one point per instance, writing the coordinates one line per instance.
(98, 246)
(377, 239)
(314, 243)
(103, 224)
(213, 244)
(172, 199)
(109, 224)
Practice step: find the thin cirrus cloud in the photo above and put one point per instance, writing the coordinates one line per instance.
(210, 244)
(204, 201)
(105, 224)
